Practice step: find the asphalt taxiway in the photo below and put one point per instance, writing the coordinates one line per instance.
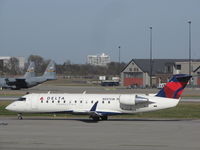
(142, 134)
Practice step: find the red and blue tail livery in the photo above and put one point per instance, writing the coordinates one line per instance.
(175, 87)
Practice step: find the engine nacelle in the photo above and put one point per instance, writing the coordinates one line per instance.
(127, 99)
(131, 99)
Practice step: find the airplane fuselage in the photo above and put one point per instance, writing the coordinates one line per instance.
(107, 104)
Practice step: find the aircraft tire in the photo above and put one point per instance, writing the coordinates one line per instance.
(95, 118)
(104, 117)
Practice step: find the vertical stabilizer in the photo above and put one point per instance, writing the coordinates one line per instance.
(175, 87)
(30, 71)
(50, 72)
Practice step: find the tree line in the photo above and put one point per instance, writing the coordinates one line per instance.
(88, 70)
(65, 69)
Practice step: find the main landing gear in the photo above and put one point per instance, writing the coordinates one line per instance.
(98, 118)
(19, 116)
(104, 117)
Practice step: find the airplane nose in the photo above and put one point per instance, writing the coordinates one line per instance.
(9, 107)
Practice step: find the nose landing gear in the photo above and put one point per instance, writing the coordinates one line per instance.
(19, 116)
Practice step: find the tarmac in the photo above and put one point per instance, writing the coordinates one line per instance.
(114, 134)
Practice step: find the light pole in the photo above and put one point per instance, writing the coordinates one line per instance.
(150, 65)
(189, 22)
(119, 54)
(119, 59)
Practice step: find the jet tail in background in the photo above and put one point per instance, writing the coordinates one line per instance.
(30, 71)
(50, 72)
(175, 87)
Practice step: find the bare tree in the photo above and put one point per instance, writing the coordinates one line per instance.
(40, 63)
(12, 67)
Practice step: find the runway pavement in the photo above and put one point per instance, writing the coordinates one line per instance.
(71, 134)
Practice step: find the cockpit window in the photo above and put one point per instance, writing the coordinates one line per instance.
(21, 99)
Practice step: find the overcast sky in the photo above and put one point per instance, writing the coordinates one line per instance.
(72, 29)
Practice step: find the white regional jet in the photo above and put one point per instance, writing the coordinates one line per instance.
(100, 106)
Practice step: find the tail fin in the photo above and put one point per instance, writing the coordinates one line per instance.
(50, 72)
(30, 71)
(175, 87)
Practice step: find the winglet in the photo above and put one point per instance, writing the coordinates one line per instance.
(94, 107)
(84, 92)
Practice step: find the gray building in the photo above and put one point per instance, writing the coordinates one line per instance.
(4, 60)
(137, 71)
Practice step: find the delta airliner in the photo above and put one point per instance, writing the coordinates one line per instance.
(100, 106)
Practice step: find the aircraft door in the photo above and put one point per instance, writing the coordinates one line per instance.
(34, 103)
(28, 104)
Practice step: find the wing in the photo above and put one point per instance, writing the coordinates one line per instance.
(93, 112)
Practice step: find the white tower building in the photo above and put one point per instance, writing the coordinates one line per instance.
(98, 60)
